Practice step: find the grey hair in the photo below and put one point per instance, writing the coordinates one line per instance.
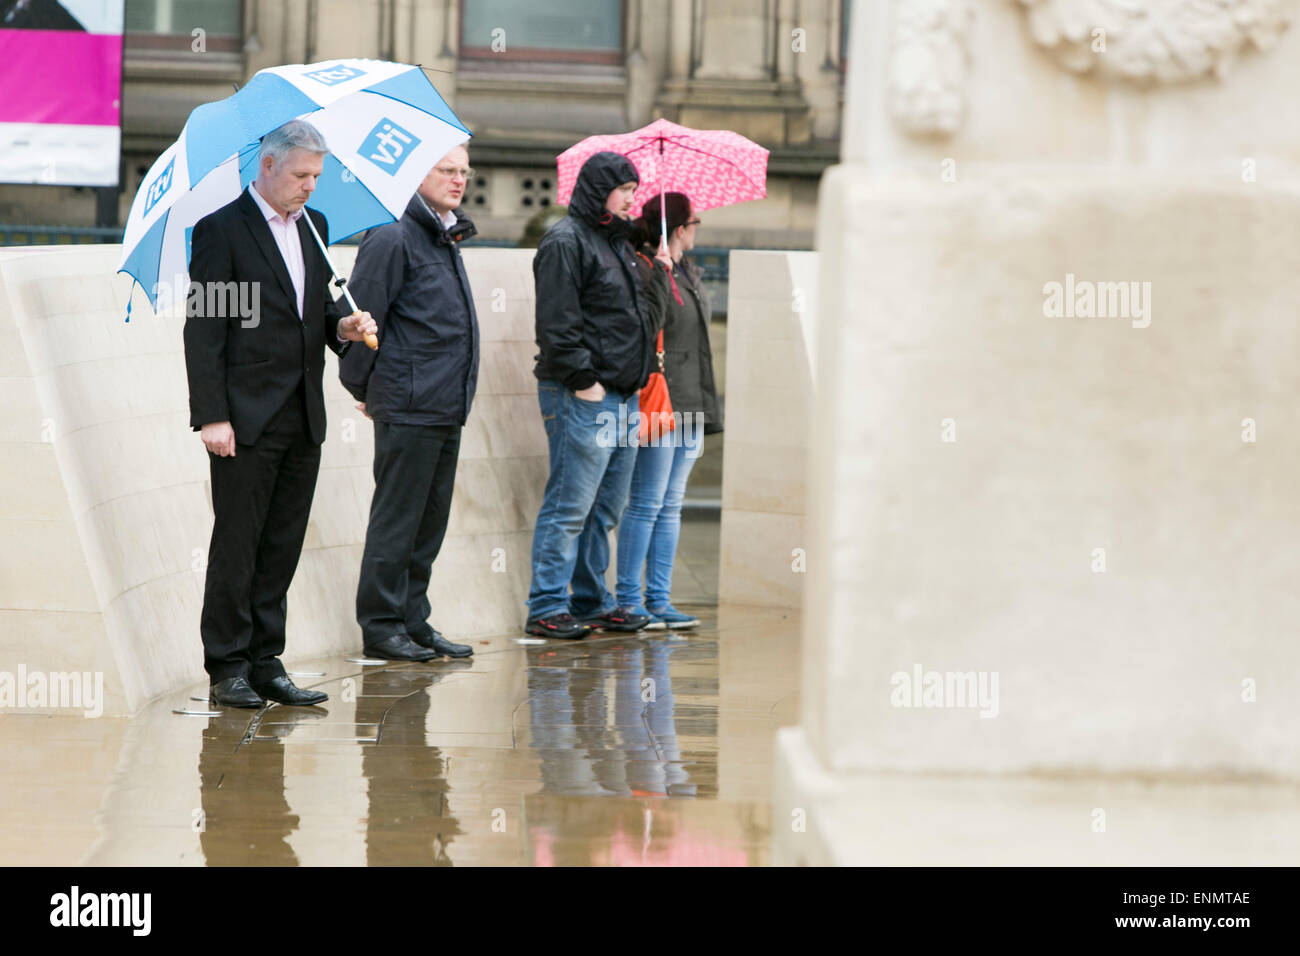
(295, 134)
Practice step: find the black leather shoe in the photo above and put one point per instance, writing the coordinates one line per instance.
(399, 647)
(234, 692)
(438, 643)
(284, 691)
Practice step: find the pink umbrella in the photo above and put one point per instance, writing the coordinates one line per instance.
(714, 167)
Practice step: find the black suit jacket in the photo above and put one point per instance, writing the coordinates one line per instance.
(243, 369)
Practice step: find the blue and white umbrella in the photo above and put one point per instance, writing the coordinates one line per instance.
(385, 125)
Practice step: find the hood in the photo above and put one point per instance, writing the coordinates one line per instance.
(600, 174)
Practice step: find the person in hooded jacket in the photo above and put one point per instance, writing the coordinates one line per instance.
(595, 344)
(411, 277)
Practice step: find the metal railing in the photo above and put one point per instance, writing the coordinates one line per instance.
(711, 259)
(38, 235)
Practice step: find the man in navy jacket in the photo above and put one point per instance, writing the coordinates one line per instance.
(410, 277)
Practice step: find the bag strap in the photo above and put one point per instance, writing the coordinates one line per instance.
(659, 350)
(672, 282)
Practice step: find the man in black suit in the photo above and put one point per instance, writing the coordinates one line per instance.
(256, 396)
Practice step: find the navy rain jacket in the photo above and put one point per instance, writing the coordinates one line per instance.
(410, 277)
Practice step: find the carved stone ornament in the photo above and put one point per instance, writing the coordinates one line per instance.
(1150, 41)
(929, 60)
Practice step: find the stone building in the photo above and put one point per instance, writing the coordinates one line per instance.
(528, 78)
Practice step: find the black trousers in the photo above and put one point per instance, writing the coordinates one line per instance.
(415, 472)
(260, 501)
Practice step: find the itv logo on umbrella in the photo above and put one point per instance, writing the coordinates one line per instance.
(388, 146)
(334, 75)
(158, 188)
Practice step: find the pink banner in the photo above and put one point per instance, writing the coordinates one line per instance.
(60, 76)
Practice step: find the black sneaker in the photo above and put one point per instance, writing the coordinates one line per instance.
(619, 619)
(562, 626)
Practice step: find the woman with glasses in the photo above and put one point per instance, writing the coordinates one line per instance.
(651, 524)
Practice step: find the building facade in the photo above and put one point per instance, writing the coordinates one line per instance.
(528, 78)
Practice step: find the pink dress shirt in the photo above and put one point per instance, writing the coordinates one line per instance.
(287, 240)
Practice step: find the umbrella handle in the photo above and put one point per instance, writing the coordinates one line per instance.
(338, 280)
(663, 221)
(663, 213)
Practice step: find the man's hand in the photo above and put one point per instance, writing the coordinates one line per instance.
(219, 438)
(593, 393)
(361, 407)
(357, 326)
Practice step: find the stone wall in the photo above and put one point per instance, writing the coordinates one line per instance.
(769, 397)
(106, 510)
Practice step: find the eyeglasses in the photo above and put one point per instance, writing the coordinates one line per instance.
(691, 222)
(451, 172)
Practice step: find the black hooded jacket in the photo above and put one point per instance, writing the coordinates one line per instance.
(410, 277)
(592, 321)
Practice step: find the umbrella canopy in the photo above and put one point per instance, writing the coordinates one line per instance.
(386, 126)
(714, 167)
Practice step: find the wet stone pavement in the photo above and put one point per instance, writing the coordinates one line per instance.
(647, 749)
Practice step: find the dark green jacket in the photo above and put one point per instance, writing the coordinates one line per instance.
(688, 356)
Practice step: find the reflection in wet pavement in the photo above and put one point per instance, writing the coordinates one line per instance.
(649, 749)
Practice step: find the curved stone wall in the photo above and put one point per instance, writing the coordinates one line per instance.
(105, 505)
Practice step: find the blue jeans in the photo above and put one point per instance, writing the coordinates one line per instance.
(591, 471)
(652, 524)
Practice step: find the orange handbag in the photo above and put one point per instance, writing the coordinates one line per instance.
(655, 405)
